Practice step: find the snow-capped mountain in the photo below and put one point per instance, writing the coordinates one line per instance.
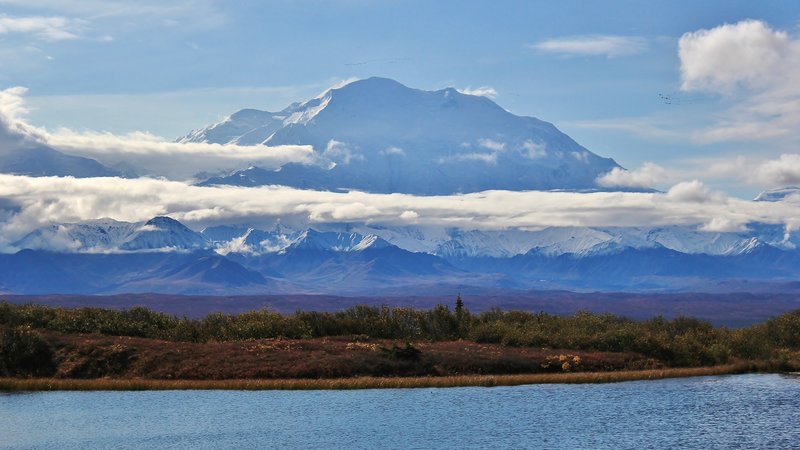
(43, 161)
(24, 155)
(337, 242)
(107, 235)
(359, 258)
(381, 136)
(164, 233)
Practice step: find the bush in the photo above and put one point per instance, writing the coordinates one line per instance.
(24, 352)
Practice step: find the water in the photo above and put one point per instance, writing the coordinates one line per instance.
(742, 411)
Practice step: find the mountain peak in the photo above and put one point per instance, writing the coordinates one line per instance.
(373, 83)
(165, 222)
(379, 135)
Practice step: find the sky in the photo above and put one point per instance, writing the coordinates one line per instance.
(674, 91)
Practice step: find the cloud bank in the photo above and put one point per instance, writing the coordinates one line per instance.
(143, 152)
(31, 202)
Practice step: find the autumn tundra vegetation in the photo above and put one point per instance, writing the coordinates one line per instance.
(41, 342)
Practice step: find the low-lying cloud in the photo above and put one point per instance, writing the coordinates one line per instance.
(143, 152)
(646, 176)
(482, 91)
(32, 202)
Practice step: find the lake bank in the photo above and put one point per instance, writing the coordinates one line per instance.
(112, 384)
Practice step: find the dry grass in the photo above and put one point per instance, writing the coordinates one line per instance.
(110, 384)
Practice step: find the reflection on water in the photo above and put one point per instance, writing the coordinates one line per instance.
(742, 411)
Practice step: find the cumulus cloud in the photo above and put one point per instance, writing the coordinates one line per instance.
(149, 154)
(593, 45)
(694, 191)
(778, 172)
(12, 104)
(44, 200)
(731, 55)
(53, 28)
(647, 176)
(483, 91)
(755, 67)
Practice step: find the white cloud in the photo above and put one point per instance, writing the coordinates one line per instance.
(693, 192)
(45, 28)
(495, 148)
(151, 154)
(781, 171)
(235, 245)
(581, 156)
(44, 200)
(392, 150)
(339, 152)
(647, 176)
(593, 45)
(183, 12)
(490, 144)
(483, 91)
(756, 68)
(158, 157)
(488, 158)
(534, 150)
(12, 105)
(723, 225)
(778, 172)
(731, 55)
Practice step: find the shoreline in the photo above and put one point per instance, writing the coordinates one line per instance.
(141, 384)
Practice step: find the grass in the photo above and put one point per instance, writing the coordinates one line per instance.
(113, 384)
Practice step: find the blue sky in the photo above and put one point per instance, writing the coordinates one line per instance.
(607, 73)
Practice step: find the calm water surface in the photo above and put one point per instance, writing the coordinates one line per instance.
(742, 411)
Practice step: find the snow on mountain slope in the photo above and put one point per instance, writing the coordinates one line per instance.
(107, 235)
(337, 242)
(246, 127)
(95, 235)
(554, 241)
(381, 136)
(164, 233)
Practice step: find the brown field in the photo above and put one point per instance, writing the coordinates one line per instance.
(87, 356)
(140, 384)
